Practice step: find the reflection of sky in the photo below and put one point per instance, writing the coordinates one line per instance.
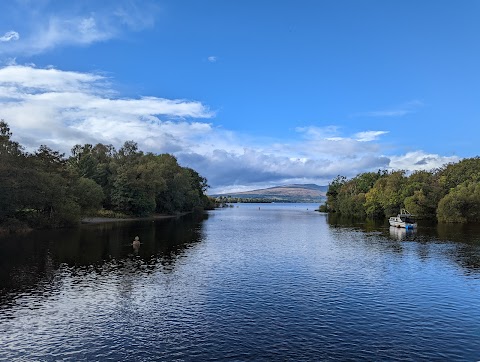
(278, 282)
(299, 268)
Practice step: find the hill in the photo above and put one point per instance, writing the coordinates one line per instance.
(287, 193)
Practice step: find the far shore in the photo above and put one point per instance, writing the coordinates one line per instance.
(101, 220)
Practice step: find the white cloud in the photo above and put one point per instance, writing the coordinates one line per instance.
(47, 27)
(316, 157)
(136, 14)
(28, 79)
(369, 136)
(398, 111)
(212, 59)
(312, 132)
(261, 169)
(70, 31)
(10, 36)
(386, 113)
(63, 108)
(328, 140)
(419, 160)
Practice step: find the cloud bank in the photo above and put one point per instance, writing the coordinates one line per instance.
(63, 108)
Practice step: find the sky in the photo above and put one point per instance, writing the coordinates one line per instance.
(251, 94)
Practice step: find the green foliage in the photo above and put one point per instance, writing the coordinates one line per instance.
(88, 195)
(110, 214)
(386, 197)
(461, 204)
(453, 174)
(333, 191)
(450, 193)
(7, 146)
(353, 205)
(10, 162)
(323, 208)
(45, 189)
(348, 197)
(418, 204)
(209, 203)
(373, 204)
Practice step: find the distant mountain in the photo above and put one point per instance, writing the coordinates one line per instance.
(287, 193)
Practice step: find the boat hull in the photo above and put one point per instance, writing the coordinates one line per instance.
(399, 223)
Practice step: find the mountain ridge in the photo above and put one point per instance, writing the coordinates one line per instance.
(283, 193)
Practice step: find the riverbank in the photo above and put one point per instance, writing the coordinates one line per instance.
(16, 227)
(101, 220)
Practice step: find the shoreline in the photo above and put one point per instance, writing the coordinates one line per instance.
(102, 220)
(92, 220)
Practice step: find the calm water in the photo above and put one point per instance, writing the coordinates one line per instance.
(242, 284)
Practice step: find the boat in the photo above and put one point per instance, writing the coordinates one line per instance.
(403, 220)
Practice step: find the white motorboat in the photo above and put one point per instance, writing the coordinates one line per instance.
(403, 220)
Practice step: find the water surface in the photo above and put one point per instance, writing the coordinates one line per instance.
(253, 282)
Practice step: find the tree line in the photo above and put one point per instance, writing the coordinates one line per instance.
(245, 200)
(47, 189)
(450, 193)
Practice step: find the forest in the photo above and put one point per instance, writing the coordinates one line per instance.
(45, 189)
(449, 194)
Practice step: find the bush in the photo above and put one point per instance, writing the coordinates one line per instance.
(461, 204)
(10, 226)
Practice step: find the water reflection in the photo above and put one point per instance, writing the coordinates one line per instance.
(461, 242)
(464, 233)
(29, 260)
(367, 225)
(275, 284)
(402, 234)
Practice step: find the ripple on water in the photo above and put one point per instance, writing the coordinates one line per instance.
(269, 284)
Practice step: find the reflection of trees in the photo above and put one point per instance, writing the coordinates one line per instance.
(22, 263)
(465, 238)
(373, 228)
(28, 260)
(465, 233)
(96, 244)
(367, 225)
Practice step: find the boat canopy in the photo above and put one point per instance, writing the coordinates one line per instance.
(405, 216)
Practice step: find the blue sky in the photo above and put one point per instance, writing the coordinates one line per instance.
(249, 93)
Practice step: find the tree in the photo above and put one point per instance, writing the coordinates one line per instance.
(44, 189)
(88, 195)
(84, 161)
(422, 193)
(449, 193)
(333, 191)
(461, 204)
(12, 160)
(454, 174)
(351, 195)
(7, 146)
(373, 203)
(387, 195)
